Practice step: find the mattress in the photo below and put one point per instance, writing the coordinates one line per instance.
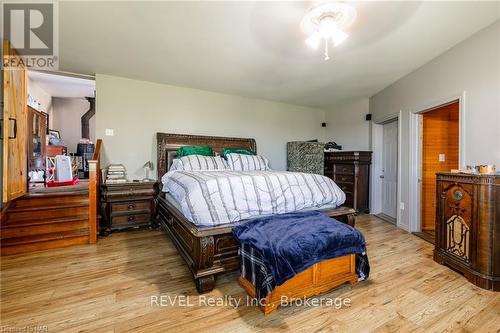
(212, 198)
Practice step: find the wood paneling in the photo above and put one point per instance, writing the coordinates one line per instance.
(108, 288)
(14, 128)
(439, 136)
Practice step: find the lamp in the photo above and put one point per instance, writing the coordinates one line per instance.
(147, 167)
(326, 22)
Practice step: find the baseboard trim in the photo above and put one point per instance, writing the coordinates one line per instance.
(386, 218)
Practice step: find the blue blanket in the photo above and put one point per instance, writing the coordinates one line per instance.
(291, 243)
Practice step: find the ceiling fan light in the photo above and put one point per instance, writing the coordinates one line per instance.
(327, 27)
(338, 37)
(314, 40)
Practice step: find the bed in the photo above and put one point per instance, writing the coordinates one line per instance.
(207, 250)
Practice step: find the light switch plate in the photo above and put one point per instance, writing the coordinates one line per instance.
(109, 132)
(442, 157)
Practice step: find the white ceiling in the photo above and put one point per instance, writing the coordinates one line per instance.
(256, 49)
(63, 86)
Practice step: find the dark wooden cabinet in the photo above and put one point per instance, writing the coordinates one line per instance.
(127, 205)
(37, 131)
(350, 170)
(467, 229)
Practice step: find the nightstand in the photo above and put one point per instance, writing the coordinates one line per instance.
(127, 205)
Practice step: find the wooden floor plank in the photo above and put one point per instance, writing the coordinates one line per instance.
(108, 287)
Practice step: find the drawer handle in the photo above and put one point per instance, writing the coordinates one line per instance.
(131, 218)
(131, 206)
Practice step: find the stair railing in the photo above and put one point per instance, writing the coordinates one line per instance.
(95, 180)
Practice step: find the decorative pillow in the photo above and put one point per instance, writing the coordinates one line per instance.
(242, 162)
(198, 162)
(237, 151)
(195, 150)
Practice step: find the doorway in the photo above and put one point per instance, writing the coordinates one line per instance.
(439, 151)
(389, 172)
(62, 122)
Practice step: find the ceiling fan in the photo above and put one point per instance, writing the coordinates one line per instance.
(326, 23)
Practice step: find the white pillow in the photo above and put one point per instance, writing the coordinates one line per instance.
(198, 162)
(243, 162)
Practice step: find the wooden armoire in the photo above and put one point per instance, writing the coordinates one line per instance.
(467, 226)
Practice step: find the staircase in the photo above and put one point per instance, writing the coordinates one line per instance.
(53, 217)
(45, 221)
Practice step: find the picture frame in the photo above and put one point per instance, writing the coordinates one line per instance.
(55, 134)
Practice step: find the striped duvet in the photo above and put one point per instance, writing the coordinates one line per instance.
(210, 198)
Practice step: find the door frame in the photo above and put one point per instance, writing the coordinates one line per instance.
(377, 148)
(415, 152)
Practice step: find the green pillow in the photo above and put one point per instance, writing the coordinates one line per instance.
(195, 150)
(237, 151)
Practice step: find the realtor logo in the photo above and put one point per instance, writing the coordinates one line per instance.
(31, 29)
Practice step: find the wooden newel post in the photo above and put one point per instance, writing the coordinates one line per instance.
(93, 192)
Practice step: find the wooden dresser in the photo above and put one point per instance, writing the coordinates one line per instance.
(467, 226)
(351, 172)
(127, 205)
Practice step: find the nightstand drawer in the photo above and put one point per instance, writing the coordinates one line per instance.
(127, 205)
(130, 219)
(144, 206)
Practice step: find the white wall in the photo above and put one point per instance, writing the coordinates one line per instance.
(136, 110)
(67, 114)
(346, 125)
(473, 67)
(42, 97)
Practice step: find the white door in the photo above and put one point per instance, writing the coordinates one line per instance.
(389, 174)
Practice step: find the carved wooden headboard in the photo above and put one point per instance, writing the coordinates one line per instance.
(167, 145)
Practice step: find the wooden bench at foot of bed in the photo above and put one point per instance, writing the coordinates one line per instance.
(318, 278)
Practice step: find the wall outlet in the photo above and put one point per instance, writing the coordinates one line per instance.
(109, 132)
(442, 157)
(402, 205)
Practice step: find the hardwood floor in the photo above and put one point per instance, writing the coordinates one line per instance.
(108, 287)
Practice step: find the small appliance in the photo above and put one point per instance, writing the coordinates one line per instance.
(64, 170)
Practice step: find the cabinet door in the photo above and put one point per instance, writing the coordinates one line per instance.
(14, 123)
(457, 222)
